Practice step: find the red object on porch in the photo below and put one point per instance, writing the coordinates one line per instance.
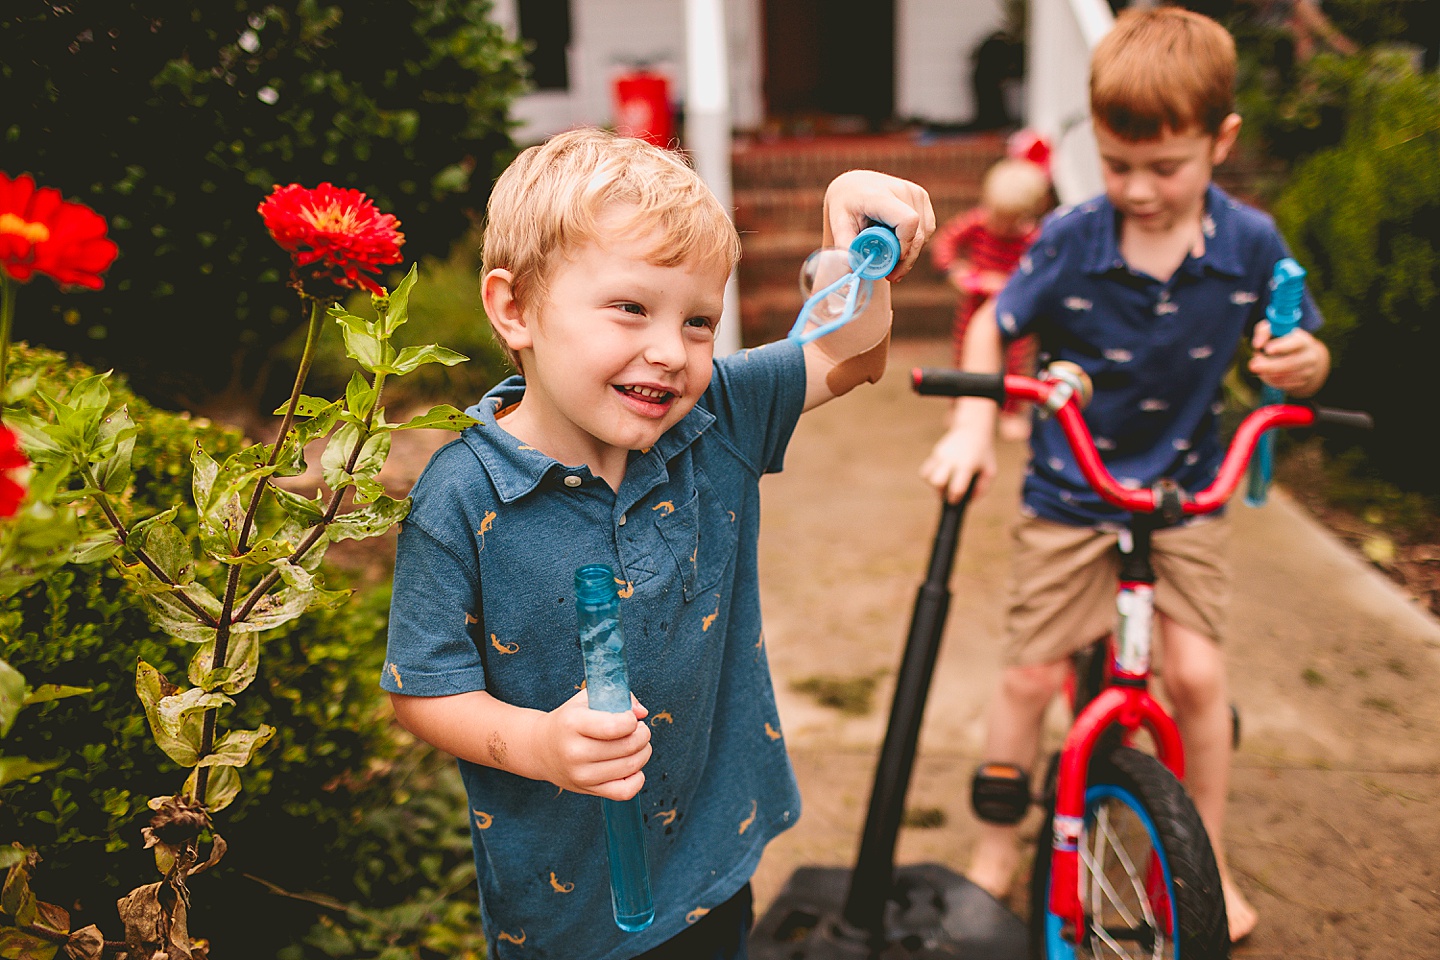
(642, 107)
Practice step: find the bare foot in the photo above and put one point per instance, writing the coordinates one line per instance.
(1241, 914)
(1014, 427)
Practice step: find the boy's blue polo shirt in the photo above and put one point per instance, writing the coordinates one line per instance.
(681, 535)
(1156, 352)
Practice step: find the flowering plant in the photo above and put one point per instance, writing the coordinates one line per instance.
(264, 539)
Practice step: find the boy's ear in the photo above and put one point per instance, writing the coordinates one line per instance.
(497, 292)
(1225, 139)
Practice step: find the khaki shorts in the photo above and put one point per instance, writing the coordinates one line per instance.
(1064, 579)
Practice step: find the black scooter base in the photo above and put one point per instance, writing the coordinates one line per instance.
(932, 914)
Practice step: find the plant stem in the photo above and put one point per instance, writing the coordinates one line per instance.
(232, 578)
(7, 325)
(331, 509)
(140, 554)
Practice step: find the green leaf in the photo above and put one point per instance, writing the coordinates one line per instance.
(175, 715)
(35, 435)
(101, 545)
(370, 520)
(306, 407)
(242, 664)
(53, 691)
(173, 616)
(204, 471)
(11, 855)
(12, 696)
(19, 768)
(367, 490)
(397, 313)
(359, 395)
(301, 509)
(412, 357)
(361, 341)
(220, 790)
(338, 451)
(259, 553)
(16, 898)
(164, 543)
(237, 747)
(443, 417)
(114, 472)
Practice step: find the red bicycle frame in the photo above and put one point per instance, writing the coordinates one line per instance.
(1125, 702)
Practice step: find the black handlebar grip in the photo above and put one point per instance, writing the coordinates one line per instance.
(1357, 419)
(936, 382)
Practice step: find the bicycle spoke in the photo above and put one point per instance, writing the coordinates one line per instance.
(1105, 900)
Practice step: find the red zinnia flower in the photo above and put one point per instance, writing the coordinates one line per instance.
(42, 232)
(11, 493)
(333, 234)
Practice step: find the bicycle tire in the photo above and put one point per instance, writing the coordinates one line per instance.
(1142, 809)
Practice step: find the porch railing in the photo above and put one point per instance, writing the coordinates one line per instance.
(1057, 91)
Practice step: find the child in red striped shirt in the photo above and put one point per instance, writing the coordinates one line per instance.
(980, 248)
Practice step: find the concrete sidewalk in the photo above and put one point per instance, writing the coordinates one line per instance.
(1333, 826)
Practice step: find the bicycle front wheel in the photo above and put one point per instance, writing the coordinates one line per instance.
(1148, 879)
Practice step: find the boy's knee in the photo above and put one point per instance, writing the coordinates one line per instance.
(1194, 682)
(1033, 684)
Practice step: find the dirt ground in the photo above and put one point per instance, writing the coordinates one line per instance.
(1336, 787)
(1335, 793)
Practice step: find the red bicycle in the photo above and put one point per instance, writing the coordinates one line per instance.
(1124, 867)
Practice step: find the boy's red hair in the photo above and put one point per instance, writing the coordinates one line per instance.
(1160, 68)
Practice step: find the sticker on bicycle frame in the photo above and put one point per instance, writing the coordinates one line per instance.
(1066, 832)
(1135, 605)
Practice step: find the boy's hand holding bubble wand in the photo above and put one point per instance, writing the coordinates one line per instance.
(1287, 290)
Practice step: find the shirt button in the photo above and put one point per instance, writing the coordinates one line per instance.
(572, 481)
(622, 519)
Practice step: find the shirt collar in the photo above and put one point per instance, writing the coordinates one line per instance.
(1222, 253)
(517, 469)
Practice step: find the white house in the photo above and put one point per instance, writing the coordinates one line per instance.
(876, 60)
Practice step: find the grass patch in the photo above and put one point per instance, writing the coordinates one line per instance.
(1398, 667)
(852, 696)
(1383, 704)
(1312, 677)
(924, 818)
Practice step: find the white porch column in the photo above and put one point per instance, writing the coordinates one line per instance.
(707, 130)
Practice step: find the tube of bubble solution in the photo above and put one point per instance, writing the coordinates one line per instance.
(602, 644)
(1287, 291)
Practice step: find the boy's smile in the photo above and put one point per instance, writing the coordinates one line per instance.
(616, 352)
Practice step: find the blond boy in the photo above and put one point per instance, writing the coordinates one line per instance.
(622, 443)
(1150, 288)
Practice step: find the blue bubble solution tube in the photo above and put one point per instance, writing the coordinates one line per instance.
(1287, 291)
(602, 644)
(836, 283)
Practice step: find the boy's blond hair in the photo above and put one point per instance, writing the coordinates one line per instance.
(1015, 188)
(1160, 68)
(551, 199)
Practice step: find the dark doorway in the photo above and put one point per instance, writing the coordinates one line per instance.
(832, 58)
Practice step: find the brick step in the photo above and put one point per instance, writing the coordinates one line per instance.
(764, 210)
(802, 163)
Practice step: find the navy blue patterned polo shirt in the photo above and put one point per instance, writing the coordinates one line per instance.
(1157, 352)
(681, 534)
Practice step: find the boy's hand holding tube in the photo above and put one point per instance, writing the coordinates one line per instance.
(1296, 363)
(594, 752)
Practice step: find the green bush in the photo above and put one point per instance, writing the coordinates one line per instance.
(1364, 219)
(174, 119)
(311, 818)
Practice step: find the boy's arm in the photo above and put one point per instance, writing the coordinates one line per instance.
(1297, 363)
(967, 450)
(573, 747)
(840, 361)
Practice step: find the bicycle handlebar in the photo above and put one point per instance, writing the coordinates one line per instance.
(1167, 498)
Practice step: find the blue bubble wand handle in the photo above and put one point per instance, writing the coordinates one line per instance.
(1287, 291)
(607, 682)
(873, 254)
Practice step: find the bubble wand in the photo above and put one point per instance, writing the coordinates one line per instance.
(872, 255)
(1287, 291)
(607, 683)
